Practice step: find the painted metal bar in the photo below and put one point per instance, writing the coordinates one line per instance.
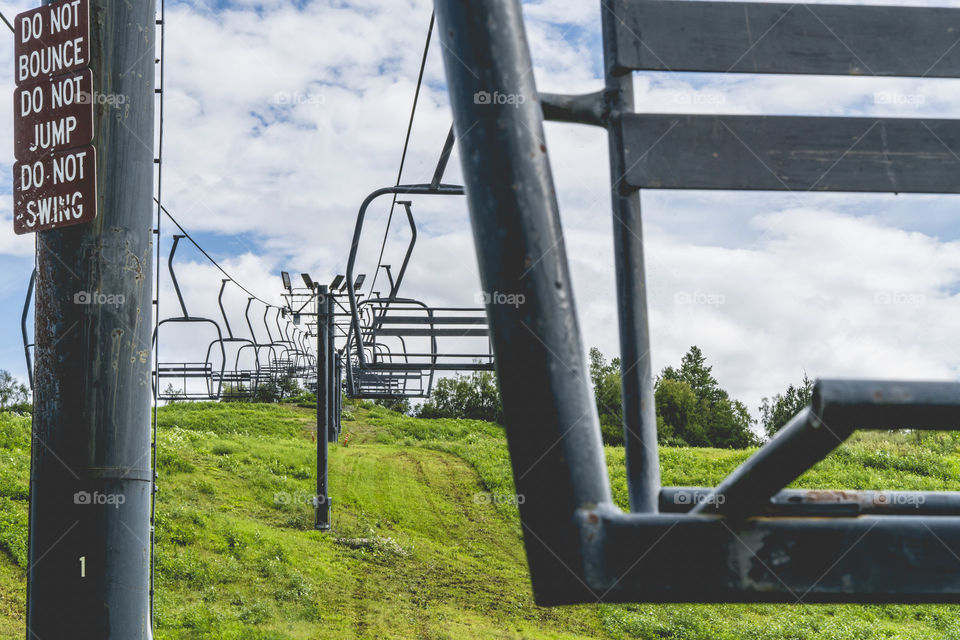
(759, 37)
(689, 558)
(395, 286)
(322, 500)
(435, 366)
(791, 153)
(826, 503)
(438, 332)
(388, 319)
(590, 108)
(332, 379)
(173, 274)
(551, 421)
(639, 408)
(838, 408)
(444, 159)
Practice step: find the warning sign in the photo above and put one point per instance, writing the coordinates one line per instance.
(55, 178)
(55, 191)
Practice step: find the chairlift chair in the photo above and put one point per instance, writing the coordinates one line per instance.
(748, 539)
(264, 353)
(381, 361)
(235, 383)
(185, 372)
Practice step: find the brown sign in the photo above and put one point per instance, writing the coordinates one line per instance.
(55, 191)
(52, 115)
(52, 40)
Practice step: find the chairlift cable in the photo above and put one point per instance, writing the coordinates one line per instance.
(210, 258)
(406, 144)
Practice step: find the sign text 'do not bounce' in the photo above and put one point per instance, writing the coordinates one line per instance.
(57, 190)
(52, 40)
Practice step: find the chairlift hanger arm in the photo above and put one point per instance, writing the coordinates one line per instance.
(173, 275)
(226, 322)
(23, 326)
(395, 286)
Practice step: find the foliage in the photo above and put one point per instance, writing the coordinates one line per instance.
(277, 389)
(473, 397)
(174, 394)
(14, 395)
(712, 419)
(691, 407)
(776, 412)
(606, 392)
(677, 418)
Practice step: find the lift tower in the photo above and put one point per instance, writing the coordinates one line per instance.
(91, 478)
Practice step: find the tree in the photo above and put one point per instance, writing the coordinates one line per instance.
(677, 414)
(714, 419)
(607, 395)
(474, 397)
(14, 395)
(777, 411)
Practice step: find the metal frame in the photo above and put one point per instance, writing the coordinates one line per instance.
(242, 383)
(746, 540)
(185, 371)
(378, 362)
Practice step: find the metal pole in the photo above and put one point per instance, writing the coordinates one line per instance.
(339, 395)
(90, 480)
(551, 421)
(332, 369)
(324, 318)
(639, 409)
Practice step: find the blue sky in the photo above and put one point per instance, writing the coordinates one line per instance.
(281, 117)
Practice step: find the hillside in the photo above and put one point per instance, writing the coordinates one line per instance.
(418, 549)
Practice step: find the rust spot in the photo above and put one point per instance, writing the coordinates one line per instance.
(593, 519)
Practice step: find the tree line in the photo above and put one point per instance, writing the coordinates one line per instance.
(692, 409)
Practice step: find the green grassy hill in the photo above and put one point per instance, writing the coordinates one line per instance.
(418, 550)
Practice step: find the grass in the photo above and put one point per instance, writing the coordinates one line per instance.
(418, 549)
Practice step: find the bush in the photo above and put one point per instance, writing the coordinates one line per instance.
(473, 397)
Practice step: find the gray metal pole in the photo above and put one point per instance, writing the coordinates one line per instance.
(332, 370)
(639, 407)
(551, 421)
(90, 481)
(324, 320)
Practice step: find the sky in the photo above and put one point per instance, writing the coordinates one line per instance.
(281, 117)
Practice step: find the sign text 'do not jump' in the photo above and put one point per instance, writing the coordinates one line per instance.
(53, 114)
